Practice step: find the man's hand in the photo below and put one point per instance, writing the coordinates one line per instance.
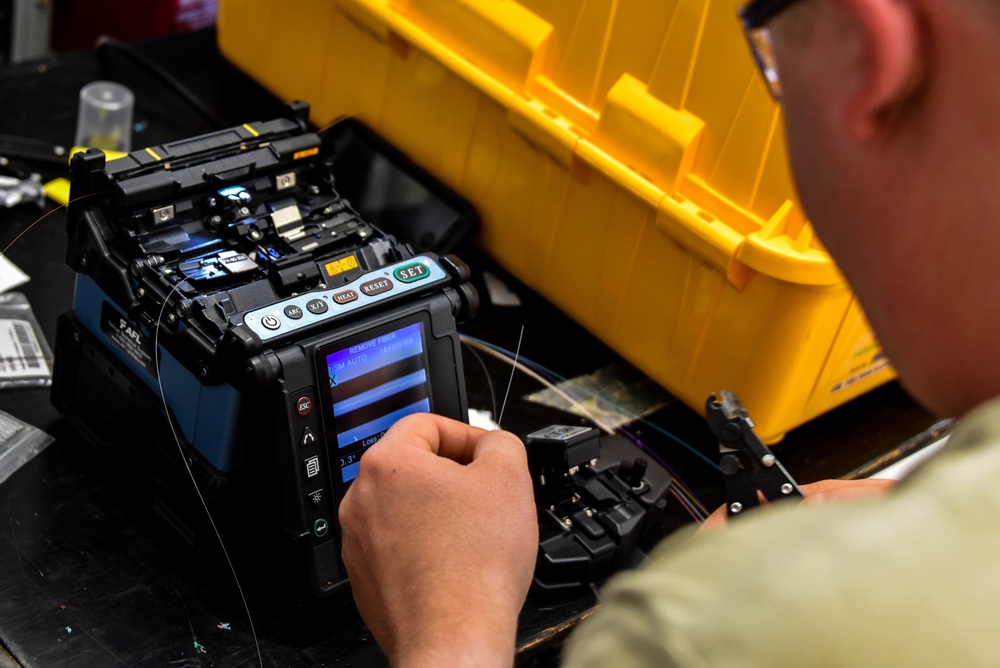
(823, 491)
(440, 541)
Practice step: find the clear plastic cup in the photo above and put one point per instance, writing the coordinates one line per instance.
(104, 119)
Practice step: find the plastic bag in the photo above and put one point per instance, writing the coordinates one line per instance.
(25, 356)
(19, 443)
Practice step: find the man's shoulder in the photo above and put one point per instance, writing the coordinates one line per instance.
(839, 584)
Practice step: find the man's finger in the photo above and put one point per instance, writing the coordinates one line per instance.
(498, 441)
(436, 434)
(846, 490)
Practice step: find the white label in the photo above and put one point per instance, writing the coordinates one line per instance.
(20, 354)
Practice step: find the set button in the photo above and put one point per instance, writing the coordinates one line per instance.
(411, 272)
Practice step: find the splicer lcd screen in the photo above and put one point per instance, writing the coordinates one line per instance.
(372, 383)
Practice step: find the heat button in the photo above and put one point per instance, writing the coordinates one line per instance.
(345, 296)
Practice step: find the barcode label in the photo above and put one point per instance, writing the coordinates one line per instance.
(20, 353)
(29, 347)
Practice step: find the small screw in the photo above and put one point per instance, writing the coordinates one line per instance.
(787, 488)
(140, 292)
(768, 460)
(256, 235)
(731, 433)
(736, 507)
(203, 371)
(568, 523)
(244, 211)
(164, 214)
(171, 318)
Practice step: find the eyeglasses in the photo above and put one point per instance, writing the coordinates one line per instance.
(754, 16)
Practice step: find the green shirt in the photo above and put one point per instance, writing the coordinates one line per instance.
(911, 579)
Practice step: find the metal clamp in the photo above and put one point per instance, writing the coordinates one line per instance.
(748, 466)
(14, 191)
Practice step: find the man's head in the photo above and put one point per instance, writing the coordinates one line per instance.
(892, 114)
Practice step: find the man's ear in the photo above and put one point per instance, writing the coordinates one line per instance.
(888, 63)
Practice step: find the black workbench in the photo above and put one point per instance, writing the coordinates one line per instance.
(88, 577)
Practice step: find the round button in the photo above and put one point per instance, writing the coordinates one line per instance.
(317, 306)
(320, 527)
(270, 321)
(412, 272)
(293, 312)
(376, 287)
(304, 406)
(345, 296)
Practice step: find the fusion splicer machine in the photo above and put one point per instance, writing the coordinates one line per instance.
(230, 302)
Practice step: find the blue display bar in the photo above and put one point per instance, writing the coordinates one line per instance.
(375, 353)
(374, 430)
